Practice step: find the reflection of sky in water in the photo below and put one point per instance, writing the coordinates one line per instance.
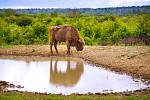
(62, 66)
(35, 76)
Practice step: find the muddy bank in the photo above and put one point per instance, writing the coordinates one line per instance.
(139, 93)
(133, 60)
(5, 85)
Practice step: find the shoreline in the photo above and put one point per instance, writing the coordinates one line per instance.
(132, 60)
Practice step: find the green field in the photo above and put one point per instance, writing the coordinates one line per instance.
(36, 96)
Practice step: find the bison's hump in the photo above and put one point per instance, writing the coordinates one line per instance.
(56, 27)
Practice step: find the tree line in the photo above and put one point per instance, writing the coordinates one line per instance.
(89, 11)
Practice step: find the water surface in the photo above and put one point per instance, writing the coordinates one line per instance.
(66, 76)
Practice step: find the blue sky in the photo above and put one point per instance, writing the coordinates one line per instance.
(70, 3)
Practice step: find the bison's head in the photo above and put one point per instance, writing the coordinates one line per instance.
(79, 45)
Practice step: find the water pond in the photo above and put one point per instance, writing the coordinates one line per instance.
(65, 76)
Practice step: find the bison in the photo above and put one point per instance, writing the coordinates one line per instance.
(65, 33)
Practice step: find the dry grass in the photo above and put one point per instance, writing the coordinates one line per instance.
(133, 60)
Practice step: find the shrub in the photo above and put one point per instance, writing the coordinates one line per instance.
(143, 29)
(58, 22)
(54, 14)
(10, 19)
(24, 21)
(40, 32)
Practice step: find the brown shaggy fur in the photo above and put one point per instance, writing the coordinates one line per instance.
(66, 34)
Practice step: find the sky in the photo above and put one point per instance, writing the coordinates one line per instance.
(70, 3)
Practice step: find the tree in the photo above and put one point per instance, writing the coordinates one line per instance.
(73, 13)
(8, 12)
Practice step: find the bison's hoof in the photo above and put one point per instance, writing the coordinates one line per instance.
(51, 54)
(68, 54)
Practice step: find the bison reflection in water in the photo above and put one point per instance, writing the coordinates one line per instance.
(74, 70)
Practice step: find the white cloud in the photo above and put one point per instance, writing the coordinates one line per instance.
(116, 3)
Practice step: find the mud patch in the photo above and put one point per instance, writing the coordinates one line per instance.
(4, 86)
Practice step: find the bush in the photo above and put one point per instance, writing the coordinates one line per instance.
(54, 14)
(143, 29)
(48, 20)
(5, 35)
(24, 21)
(119, 35)
(10, 19)
(40, 32)
(103, 30)
(58, 22)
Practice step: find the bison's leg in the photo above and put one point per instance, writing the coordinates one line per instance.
(68, 47)
(51, 44)
(55, 45)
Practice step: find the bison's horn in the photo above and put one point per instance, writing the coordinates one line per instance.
(79, 41)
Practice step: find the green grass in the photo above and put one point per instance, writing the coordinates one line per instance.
(6, 46)
(32, 96)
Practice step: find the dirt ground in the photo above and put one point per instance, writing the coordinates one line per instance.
(133, 60)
